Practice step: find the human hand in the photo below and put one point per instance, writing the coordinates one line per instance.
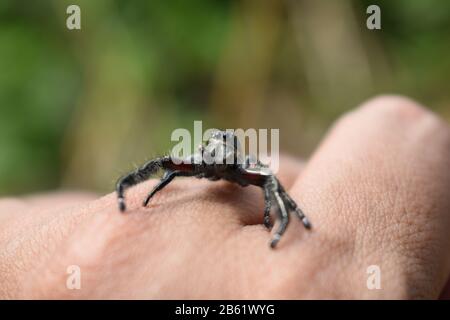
(376, 192)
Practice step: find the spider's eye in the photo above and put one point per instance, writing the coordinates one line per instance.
(228, 135)
(216, 134)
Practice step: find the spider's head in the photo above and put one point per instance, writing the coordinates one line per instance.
(222, 148)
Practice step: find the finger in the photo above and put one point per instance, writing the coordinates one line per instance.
(375, 194)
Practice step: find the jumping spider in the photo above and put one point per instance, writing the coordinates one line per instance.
(224, 151)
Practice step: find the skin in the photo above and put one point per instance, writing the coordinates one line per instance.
(375, 190)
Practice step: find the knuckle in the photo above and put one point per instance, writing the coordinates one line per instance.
(393, 106)
(389, 113)
(386, 107)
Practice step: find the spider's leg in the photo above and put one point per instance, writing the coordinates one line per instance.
(267, 206)
(291, 203)
(284, 219)
(139, 175)
(165, 180)
(268, 184)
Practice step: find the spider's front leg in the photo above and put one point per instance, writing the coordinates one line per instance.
(165, 180)
(291, 203)
(284, 220)
(259, 179)
(267, 207)
(285, 204)
(145, 172)
(271, 188)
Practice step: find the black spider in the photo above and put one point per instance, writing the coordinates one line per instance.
(219, 159)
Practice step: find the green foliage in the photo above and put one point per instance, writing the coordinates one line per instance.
(76, 107)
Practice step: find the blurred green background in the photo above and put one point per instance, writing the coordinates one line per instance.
(79, 107)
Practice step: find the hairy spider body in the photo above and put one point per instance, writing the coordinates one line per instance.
(219, 159)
